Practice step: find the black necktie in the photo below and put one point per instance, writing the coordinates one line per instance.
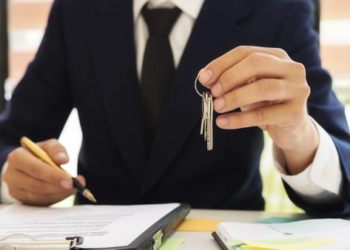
(158, 66)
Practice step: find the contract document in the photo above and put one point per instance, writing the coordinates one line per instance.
(100, 226)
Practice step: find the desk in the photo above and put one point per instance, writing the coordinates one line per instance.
(204, 241)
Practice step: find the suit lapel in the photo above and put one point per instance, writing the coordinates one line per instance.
(215, 33)
(113, 51)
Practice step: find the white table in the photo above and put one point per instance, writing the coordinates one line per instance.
(204, 240)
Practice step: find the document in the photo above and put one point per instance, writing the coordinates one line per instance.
(100, 226)
(257, 236)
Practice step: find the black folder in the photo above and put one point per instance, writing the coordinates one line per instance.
(153, 237)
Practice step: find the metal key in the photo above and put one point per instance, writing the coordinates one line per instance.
(207, 117)
(209, 121)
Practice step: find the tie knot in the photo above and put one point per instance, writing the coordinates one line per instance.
(160, 21)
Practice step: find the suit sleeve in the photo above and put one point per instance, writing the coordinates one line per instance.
(300, 41)
(41, 102)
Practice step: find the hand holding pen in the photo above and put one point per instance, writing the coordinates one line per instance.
(32, 181)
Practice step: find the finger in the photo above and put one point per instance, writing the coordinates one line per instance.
(255, 105)
(55, 150)
(255, 66)
(20, 180)
(30, 198)
(81, 179)
(261, 90)
(24, 161)
(211, 73)
(270, 115)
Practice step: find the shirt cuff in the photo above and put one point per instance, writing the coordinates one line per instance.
(5, 196)
(320, 182)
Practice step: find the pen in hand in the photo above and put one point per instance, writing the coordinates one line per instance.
(42, 155)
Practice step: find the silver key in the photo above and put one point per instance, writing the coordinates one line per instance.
(209, 121)
(204, 115)
(207, 117)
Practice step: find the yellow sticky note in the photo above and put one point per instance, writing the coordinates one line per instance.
(198, 225)
(253, 248)
(254, 245)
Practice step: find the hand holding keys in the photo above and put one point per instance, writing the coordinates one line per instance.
(207, 116)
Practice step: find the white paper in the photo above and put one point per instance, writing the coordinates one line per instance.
(100, 226)
(246, 231)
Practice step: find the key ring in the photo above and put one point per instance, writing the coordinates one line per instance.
(195, 86)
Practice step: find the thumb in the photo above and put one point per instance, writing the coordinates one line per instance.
(55, 150)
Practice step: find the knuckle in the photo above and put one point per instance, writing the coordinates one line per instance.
(6, 178)
(271, 86)
(244, 51)
(234, 99)
(282, 53)
(226, 77)
(264, 87)
(304, 91)
(257, 60)
(11, 157)
(52, 143)
(260, 115)
(300, 69)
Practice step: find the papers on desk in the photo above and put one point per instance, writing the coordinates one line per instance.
(100, 226)
(309, 234)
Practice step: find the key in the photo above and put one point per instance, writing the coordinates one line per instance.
(207, 116)
(209, 121)
(204, 114)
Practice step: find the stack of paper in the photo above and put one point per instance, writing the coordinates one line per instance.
(318, 234)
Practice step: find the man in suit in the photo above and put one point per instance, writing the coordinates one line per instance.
(95, 56)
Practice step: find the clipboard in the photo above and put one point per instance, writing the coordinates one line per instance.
(7, 243)
(151, 239)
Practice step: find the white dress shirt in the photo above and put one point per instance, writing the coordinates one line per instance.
(320, 183)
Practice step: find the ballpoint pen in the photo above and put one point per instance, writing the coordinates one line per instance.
(42, 155)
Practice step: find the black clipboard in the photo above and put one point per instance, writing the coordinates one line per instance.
(219, 241)
(152, 238)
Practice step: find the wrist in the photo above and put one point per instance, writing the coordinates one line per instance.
(301, 154)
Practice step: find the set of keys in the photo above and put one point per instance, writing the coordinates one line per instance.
(207, 117)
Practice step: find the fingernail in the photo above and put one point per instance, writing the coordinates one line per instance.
(61, 156)
(206, 76)
(221, 122)
(219, 104)
(216, 90)
(66, 184)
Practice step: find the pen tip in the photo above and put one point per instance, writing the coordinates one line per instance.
(90, 196)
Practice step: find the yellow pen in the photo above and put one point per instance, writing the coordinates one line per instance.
(42, 155)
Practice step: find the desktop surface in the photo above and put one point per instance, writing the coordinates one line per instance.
(204, 240)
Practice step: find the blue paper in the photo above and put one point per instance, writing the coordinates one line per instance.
(277, 220)
(309, 226)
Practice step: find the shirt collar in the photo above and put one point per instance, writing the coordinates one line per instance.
(190, 7)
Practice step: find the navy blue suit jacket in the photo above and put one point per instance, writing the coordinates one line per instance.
(87, 60)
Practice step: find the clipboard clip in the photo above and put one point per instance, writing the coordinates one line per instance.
(52, 244)
(157, 240)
